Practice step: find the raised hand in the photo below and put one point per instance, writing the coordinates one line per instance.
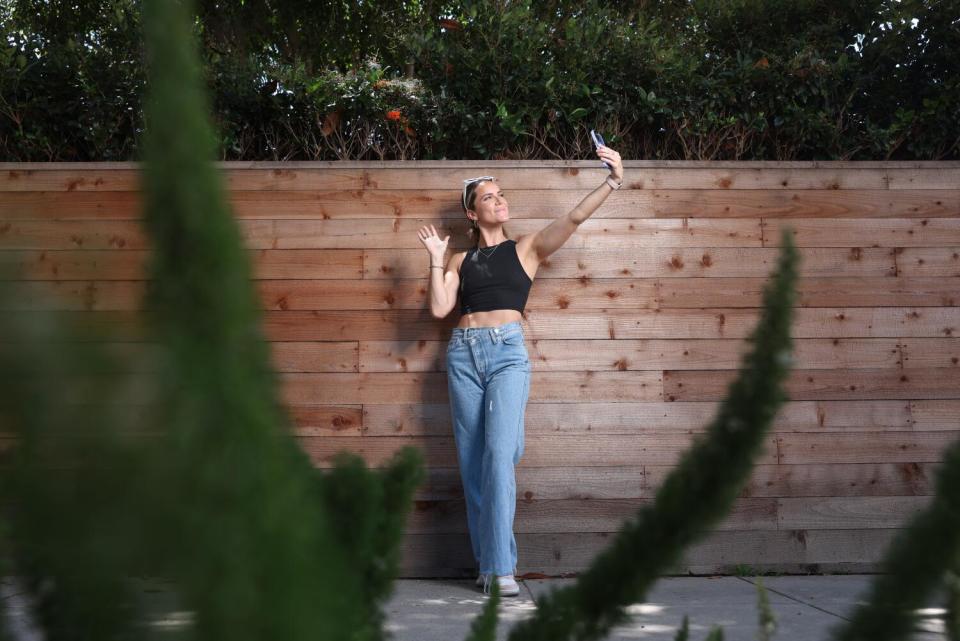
(431, 240)
(612, 158)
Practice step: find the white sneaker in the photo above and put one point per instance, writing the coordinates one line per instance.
(479, 581)
(508, 586)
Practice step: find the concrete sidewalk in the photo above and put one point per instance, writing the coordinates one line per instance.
(807, 608)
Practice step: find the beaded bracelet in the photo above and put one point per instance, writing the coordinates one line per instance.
(613, 184)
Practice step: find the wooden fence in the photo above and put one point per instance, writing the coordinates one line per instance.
(634, 329)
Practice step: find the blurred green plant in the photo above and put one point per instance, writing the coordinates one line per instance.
(918, 560)
(205, 492)
(709, 476)
(766, 619)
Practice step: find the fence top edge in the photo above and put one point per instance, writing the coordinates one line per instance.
(506, 164)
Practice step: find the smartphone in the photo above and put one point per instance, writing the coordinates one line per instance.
(597, 142)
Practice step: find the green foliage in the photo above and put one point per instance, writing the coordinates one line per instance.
(766, 619)
(710, 79)
(709, 475)
(70, 526)
(206, 491)
(371, 508)
(914, 564)
(952, 618)
(716, 634)
(683, 634)
(72, 80)
(484, 627)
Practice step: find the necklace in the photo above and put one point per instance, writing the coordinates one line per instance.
(485, 255)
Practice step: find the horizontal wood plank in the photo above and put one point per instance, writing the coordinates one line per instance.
(863, 447)
(575, 175)
(575, 263)
(848, 512)
(676, 262)
(643, 481)
(708, 323)
(840, 232)
(722, 551)
(551, 451)
(389, 233)
(431, 387)
(558, 294)
(429, 419)
(838, 384)
(653, 354)
(580, 515)
(523, 203)
(131, 265)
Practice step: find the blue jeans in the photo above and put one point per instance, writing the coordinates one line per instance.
(488, 378)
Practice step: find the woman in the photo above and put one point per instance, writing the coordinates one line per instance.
(488, 369)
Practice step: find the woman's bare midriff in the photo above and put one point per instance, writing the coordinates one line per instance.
(493, 318)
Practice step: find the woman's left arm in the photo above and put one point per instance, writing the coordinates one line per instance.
(553, 236)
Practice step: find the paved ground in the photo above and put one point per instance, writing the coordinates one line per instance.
(806, 607)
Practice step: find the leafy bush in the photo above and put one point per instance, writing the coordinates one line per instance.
(710, 79)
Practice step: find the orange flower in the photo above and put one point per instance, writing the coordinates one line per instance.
(380, 84)
(393, 115)
(410, 132)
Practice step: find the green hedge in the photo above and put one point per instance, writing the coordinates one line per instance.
(325, 80)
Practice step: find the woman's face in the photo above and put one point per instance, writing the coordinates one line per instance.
(489, 206)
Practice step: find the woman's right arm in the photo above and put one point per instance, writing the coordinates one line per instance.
(444, 283)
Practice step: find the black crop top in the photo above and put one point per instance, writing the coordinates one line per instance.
(496, 281)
